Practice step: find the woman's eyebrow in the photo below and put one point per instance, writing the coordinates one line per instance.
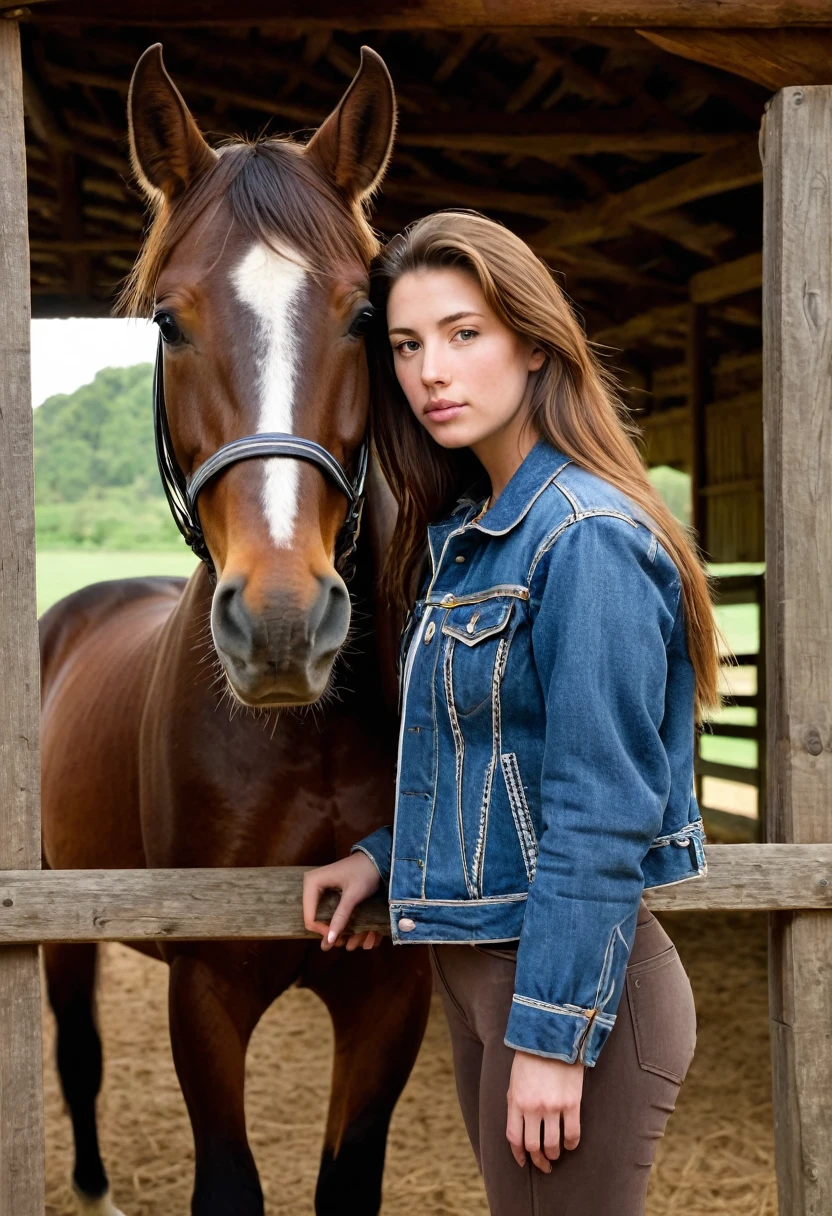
(456, 316)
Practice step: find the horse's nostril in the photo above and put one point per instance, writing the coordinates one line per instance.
(232, 622)
(329, 619)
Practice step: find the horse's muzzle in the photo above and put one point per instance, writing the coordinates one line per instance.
(280, 652)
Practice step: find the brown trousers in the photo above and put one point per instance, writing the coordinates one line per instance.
(628, 1095)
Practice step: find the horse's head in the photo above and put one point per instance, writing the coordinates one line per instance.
(256, 271)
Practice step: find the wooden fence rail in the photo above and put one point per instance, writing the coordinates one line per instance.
(148, 905)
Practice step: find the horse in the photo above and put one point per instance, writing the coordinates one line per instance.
(246, 716)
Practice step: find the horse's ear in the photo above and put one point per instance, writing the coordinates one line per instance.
(354, 144)
(166, 147)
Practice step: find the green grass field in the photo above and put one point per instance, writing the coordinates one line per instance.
(60, 571)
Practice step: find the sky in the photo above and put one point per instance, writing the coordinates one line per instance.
(68, 353)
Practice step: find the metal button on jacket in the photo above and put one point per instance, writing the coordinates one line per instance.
(429, 632)
(406, 924)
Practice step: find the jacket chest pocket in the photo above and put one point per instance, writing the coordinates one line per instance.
(477, 638)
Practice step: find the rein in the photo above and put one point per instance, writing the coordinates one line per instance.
(182, 492)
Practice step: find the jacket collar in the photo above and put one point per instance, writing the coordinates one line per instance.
(541, 465)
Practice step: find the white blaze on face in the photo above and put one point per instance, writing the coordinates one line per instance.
(271, 286)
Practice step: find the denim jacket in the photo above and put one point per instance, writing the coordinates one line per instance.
(545, 772)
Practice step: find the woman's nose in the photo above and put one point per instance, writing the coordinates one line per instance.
(432, 371)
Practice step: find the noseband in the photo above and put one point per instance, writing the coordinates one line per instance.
(182, 492)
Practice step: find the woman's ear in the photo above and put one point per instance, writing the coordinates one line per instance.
(166, 148)
(354, 144)
(537, 359)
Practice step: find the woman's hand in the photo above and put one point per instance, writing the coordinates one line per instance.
(543, 1091)
(357, 879)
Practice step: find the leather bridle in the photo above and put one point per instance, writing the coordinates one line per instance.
(182, 492)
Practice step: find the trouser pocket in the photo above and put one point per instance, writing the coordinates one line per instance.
(663, 1014)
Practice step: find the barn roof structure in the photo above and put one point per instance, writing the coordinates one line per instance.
(629, 165)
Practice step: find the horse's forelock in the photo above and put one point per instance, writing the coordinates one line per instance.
(277, 197)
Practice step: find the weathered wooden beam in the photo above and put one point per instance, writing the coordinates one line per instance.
(797, 402)
(555, 147)
(183, 905)
(107, 244)
(775, 58)
(728, 169)
(433, 14)
(21, 1085)
(703, 239)
(729, 279)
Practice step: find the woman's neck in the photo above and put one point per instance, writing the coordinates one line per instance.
(502, 453)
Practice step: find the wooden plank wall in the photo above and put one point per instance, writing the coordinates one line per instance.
(797, 308)
(21, 1098)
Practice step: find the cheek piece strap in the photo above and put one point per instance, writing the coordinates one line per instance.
(182, 492)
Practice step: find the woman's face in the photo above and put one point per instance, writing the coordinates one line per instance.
(464, 373)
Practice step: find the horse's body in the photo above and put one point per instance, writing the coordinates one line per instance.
(147, 764)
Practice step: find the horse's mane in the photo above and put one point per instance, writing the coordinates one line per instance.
(277, 196)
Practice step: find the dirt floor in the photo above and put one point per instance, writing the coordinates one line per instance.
(716, 1158)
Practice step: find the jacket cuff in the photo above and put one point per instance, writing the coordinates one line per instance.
(378, 846)
(560, 1032)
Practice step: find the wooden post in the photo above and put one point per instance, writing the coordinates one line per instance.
(797, 416)
(698, 396)
(21, 1082)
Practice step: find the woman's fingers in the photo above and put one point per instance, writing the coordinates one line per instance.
(312, 890)
(340, 920)
(515, 1133)
(551, 1136)
(572, 1127)
(533, 1124)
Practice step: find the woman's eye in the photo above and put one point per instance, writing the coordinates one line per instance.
(361, 322)
(467, 334)
(168, 328)
(408, 347)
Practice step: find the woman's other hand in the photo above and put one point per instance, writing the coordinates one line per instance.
(357, 879)
(543, 1091)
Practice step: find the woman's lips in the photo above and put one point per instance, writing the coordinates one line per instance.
(443, 410)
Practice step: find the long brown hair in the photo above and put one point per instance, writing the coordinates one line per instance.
(574, 405)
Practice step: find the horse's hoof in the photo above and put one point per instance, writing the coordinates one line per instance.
(99, 1205)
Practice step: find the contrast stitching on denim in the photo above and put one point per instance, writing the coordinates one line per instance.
(473, 639)
(654, 545)
(525, 510)
(694, 828)
(435, 721)
(567, 523)
(450, 600)
(462, 903)
(411, 657)
(459, 750)
(359, 848)
(496, 728)
(606, 968)
(520, 812)
(571, 1011)
(570, 498)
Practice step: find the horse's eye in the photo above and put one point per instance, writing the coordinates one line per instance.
(361, 322)
(168, 328)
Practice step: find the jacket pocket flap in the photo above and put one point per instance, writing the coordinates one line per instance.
(472, 623)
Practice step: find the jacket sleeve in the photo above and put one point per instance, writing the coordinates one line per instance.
(608, 595)
(379, 848)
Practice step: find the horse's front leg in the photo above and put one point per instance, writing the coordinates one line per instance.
(378, 1001)
(215, 1003)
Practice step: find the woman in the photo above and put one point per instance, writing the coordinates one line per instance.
(559, 653)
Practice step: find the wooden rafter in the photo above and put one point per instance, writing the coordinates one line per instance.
(436, 14)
